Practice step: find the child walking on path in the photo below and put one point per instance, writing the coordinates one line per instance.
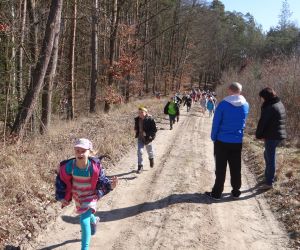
(210, 105)
(145, 131)
(172, 110)
(83, 179)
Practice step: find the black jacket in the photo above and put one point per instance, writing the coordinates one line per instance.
(272, 121)
(149, 128)
(188, 102)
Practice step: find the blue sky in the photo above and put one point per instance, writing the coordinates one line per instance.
(265, 12)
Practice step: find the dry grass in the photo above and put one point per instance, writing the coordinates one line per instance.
(281, 74)
(284, 198)
(27, 202)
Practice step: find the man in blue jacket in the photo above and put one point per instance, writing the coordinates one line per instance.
(227, 134)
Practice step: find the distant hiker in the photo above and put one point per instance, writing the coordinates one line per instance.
(210, 105)
(145, 131)
(188, 102)
(193, 95)
(272, 129)
(157, 94)
(203, 103)
(172, 110)
(177, 99)
(83, 179)
(227, 134)
(178, 102)
(198, 95)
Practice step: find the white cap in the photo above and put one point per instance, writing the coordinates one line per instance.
(83, 143)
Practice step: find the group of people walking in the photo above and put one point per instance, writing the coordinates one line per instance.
(227, 133)
(82, 178)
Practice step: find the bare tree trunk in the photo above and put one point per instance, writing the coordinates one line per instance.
(33, 32)
(13, 49)
(112, 43)
(33, 46)
(19, 85)
(63, 36)
(6, 111)
(31, 97)
(48, 87)
(145, 50)
(112, 40)
(94, 72)
(70, 80)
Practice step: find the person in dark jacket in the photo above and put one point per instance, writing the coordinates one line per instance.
(271, 128)
(178, 102)
(145, 131)
(188, 102)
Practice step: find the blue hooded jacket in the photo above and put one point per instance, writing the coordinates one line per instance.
(230, 119)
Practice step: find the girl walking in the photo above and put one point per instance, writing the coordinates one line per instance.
(83, 179)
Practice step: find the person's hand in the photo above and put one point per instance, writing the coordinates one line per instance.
(64, 203)
(114, 182)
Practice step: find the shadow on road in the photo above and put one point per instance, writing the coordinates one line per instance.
(122, 213)
(246, 194)
(120, 175)
(59, 244)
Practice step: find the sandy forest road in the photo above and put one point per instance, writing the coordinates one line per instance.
(164, 207)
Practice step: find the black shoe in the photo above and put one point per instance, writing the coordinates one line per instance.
(209, 195)
(140, 169)
(235, 197)
(151, 162)
(235, 194)
(265, 186)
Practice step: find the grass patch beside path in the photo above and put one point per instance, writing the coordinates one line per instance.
(27, 201)
(284, 198)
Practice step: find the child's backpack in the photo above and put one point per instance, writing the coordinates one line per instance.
(60, 186)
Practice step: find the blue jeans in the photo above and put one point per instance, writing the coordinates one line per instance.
(85, 222)
(140, 151)
(270, 160)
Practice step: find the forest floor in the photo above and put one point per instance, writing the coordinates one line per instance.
(164, 207)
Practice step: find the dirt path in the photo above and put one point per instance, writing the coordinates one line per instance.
(164, 207)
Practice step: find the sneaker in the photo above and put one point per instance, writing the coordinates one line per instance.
(209, 195)
(265, 186)
(151, 162)
(94, 226)
(140, 169)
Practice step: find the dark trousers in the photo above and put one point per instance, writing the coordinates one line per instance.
(227, 153)
(172, 120)
(270, 160)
